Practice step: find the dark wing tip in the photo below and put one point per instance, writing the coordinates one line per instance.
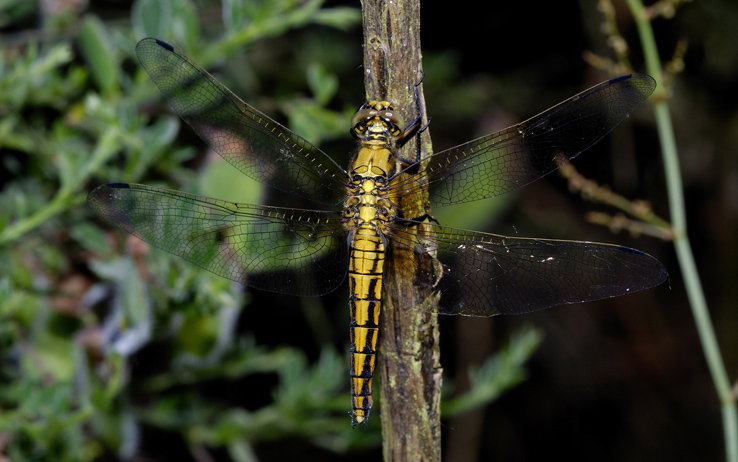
(645, 82)
(652, 272)
(150, 41)
(164, 45)
(118, 185)
(613, 80)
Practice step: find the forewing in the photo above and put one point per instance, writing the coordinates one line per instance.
(252, 142)
(483, 274)
(299, 252)
(514, 157)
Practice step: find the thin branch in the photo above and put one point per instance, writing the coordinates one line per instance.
(683, 248)
(410, 375)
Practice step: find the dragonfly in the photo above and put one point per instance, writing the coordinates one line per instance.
(311, 252)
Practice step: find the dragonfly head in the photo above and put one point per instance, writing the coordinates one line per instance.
(377, 119)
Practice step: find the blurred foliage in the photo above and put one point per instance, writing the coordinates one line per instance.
(496, 375)
(104, 343)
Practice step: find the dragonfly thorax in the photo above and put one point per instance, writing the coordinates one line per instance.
(367, 204)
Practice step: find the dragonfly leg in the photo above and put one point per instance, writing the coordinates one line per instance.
(414, 130)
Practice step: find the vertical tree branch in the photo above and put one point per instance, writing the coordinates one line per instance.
(410, 375)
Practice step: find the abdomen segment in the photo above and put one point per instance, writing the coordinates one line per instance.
(366, 268)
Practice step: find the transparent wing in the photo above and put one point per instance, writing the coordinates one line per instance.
(514, 157)
(252, 142)
(299, 252)
(483, 274)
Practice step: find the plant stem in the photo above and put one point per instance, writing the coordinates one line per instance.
(65, 197)
(681, 241)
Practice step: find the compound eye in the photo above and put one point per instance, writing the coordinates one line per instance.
(362, 115)
(393, 118)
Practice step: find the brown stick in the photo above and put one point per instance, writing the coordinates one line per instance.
(410, 374)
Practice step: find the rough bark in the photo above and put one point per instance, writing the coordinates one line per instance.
(410, 375)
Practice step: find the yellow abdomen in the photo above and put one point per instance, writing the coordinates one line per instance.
(366, 267)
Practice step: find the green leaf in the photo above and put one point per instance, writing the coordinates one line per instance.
(323, 84)
(343, 18)
(185, 24)
(99, 53)
(314, 122)
(151, 18)
(220, 179)
(474, 215)
(91, 238)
